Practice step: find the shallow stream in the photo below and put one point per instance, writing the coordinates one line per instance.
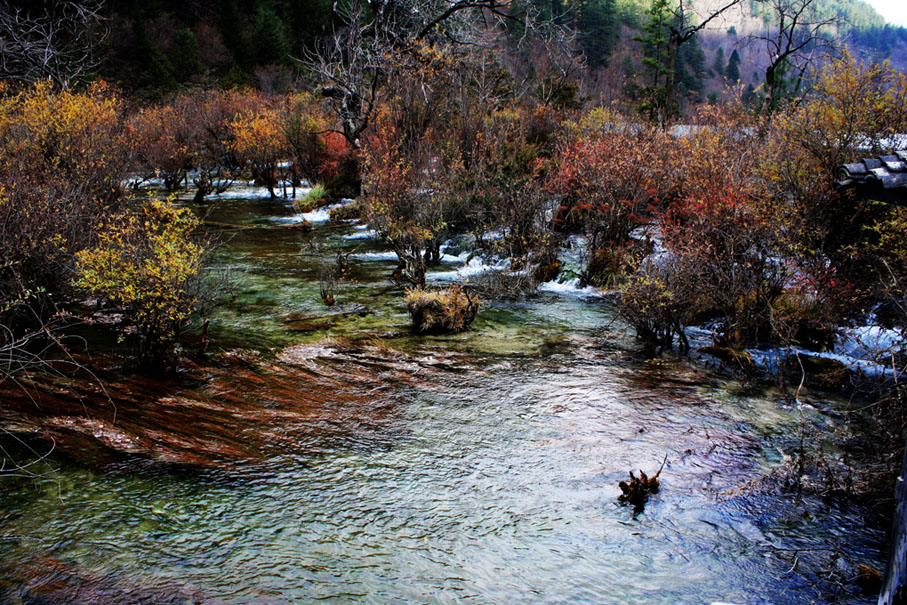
(331, 454)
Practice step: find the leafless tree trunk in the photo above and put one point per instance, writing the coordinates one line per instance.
(792, 43)
(54, 39)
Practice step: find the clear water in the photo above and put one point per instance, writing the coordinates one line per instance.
(357, 462)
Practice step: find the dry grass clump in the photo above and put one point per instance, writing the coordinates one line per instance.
(449, 311)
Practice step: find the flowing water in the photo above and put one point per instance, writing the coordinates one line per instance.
(330, 454)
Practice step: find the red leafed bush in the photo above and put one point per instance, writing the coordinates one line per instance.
(611, 180)
(735, 245)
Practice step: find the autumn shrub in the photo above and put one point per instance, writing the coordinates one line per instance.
(166, 140)
(303, 126)
(346, 212)
(661, 299)
(147, 264)
(402, 199)
(723, 150)
(798, 318)
(320, 155)
(63, 156)
(214, 114)
(734, 246)
(450, 310)
(503, 182)
(855, 110)
(257, 142)
(611, 179)
(504, 285)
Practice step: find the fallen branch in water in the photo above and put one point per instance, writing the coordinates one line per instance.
(637, 491)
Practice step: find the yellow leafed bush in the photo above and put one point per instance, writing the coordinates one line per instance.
(148, 264)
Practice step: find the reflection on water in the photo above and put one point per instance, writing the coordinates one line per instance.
(380, 466)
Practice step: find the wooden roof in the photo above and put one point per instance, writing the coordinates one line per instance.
(883, 178)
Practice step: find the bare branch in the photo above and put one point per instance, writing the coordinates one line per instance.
(379, 37)
(797, 28)
(54, 40)
(682, 30)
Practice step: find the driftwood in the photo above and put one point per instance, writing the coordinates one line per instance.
(637, 491)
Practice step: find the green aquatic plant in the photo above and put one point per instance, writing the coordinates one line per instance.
(316, 197)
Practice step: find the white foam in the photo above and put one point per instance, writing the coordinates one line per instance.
(863, 349)
(474, 266)
(247, 190)
(364, 233)
(319, 215)
(570, 288)
(376, 256)
(871, 342)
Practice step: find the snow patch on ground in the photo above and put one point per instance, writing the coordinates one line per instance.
(866, 349)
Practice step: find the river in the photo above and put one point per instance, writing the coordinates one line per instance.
(331, 454)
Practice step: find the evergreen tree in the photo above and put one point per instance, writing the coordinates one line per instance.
(629, 69)
(733, 67)
(149, 67)
(597, 23)
(307, 21)
(656, 102)
(183, 55)
(718, 65)
(689, 69)
(269, 40)
(231, 30)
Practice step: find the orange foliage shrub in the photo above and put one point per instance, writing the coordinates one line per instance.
(320, 155)
(166, 140)
(257, 141)
(502, 178)
(401, 198)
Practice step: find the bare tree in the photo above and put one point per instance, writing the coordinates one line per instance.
(547, 64)
(53, 39)
(357, 61)
(794, 40)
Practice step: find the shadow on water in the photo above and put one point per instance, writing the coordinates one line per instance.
(332, 454)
